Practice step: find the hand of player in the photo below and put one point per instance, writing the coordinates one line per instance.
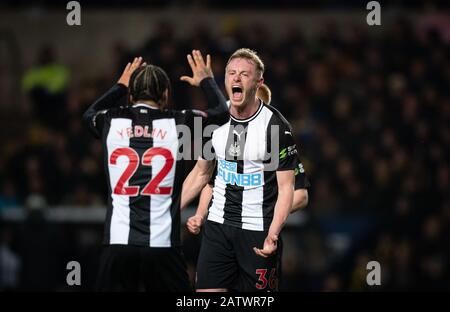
(194, 224)
(200, 70)
(129, 69)
(270, 246)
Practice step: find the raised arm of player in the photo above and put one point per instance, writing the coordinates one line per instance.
(111, 97)
(202, 76)
(282, 210)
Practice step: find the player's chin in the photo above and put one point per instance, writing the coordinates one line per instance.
(237, 102)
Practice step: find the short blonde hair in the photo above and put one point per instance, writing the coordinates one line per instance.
(251, 55)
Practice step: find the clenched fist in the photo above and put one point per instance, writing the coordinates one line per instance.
(194, 224)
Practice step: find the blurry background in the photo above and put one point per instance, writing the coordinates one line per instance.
(369, 105)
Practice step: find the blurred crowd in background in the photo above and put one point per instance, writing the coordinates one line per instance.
(371, 116)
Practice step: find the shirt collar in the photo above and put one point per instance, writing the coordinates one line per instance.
(144, 105)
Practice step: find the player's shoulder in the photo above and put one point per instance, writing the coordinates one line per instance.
(277, 117)
(188, 115)
(193, 112)
(128, 111)
(185, 116)
(119, 112)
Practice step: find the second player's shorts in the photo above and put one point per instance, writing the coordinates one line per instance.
(227, 260)
(136, 268)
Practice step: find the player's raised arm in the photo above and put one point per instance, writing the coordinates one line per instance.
(111, 97)
(202, 76)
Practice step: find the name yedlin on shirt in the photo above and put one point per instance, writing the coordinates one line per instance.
(142, 132)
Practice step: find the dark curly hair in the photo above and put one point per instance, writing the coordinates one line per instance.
(148, 83)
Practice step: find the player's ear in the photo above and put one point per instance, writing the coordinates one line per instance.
(260, 82)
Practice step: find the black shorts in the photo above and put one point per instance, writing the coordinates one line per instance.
(227, 260)
(136, 268)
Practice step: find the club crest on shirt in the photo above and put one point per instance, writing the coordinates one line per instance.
(234, 150)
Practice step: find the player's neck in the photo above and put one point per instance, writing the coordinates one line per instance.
(245, 111)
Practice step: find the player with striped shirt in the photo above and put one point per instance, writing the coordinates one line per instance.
(141, 145)
(253, 187)
(301, 186)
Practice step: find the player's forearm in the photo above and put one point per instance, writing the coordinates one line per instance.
(107, 100)
(217, 104)
(191, 188)
(300, 200)
(193, 184)
(205, 199)
(282, 210)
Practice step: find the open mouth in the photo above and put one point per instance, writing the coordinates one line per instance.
(237, 93)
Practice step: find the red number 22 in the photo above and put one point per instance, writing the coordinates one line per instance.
(152, 188)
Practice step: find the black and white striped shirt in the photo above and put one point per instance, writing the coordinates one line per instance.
(140, 158)
(244, 192)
